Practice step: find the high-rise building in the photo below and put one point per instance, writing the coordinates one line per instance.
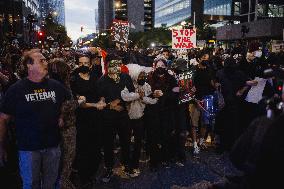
(16, 22)
(149, 14)
(265, 9)
(170, 12)
(254, 15)
(120, 9)
(139, 13)
(56, 8)
(218, 7)
(105, 15)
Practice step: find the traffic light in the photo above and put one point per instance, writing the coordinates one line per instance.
(40, 36)
(82, 28)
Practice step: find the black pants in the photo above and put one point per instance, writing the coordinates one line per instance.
(88, 156)
(179, 137)
(111, 127)
(153, 139)
(137, 127)
(227, 125)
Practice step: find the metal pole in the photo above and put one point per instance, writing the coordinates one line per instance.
(249, 10)
(194, 19)
(256, 12)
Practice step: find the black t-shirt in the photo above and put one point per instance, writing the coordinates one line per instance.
(202, 82)
(87, 88)
(111, 91)
(231, 82)
(36, 108)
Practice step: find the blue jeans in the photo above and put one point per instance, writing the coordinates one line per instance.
(39, 169)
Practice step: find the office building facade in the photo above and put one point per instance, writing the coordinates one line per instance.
(139, 13)
(14, 20)
(170, 12)
(218, 7)
(105, 15)
(260, 18)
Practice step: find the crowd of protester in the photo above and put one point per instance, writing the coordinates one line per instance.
(64, 109)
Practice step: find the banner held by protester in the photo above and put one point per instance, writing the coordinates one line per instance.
(120, 31)
(185, 82)
(183, 38)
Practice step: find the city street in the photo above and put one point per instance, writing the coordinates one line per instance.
(207, 167)
(141, 94)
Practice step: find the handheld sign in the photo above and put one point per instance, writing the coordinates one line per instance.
(120, 31)
(183, 38)
(185, 82)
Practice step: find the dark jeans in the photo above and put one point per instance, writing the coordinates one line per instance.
(167, 131)
(88, 155)
(137, 127)
(153, 138)
(109, 130)
(180, 122)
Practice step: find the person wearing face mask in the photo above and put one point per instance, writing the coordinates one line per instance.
(232, 81)
(254, 68)
(158, 117)
(114, 116)
(204, 83)
(87, 121)
(136, 103)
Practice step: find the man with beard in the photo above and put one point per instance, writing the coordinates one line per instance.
(114, 116)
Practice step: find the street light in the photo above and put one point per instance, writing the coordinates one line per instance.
(117, 4)
(54, 13)
(153, 45)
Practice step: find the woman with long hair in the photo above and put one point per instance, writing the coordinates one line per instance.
(60, 71)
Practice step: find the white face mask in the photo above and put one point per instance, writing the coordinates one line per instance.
(258, 54)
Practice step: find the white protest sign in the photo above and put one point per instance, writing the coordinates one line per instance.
(183, 38)
(255, 93)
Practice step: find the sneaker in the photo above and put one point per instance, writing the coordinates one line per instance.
(180, 164)
(166, 165)
(202, 144)
(107, 176)
(196, 150)
(134, 173)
